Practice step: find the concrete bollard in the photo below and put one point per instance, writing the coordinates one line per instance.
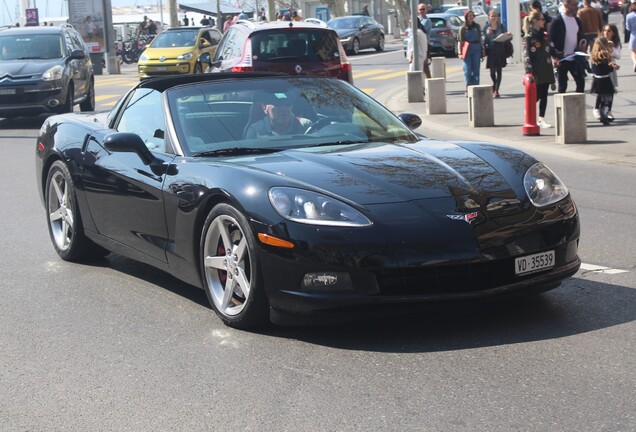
(480, 108)
(438, 67)
(436, 91)
(415, 86)
(571, 123)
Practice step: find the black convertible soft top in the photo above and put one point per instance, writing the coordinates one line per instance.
(163, 83)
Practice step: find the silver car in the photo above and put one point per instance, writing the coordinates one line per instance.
(443, 35)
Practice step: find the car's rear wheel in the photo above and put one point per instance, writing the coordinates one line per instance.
(63, 216)
(230, 269)
(89, 103)
(355, 46)
(380, 46)
(67, 106)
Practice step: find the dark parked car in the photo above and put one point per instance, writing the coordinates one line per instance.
(284, 196)
(44, 70)
(358, 32)
(443, 35)
(294, 48)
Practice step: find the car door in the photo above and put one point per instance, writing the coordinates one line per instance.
(125, 196)
(77, 66)
(367, 33)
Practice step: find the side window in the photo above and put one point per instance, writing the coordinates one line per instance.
(68, 42)
(144, 116)
(77, 41)
(215, 36)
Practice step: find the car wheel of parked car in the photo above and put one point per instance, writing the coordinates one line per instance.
(355, 46)
(230, 268)
(380, 46)
(67, 106)
(89, 103)
(65, 223)
(198, 68)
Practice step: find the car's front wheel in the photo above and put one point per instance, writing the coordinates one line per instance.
(355, 46)
(380, 45)
(62, 214)
(67, 105)
(89, 103)
(230, 269)
(198, 69)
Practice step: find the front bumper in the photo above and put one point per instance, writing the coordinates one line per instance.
(154, 69)
(31, 97)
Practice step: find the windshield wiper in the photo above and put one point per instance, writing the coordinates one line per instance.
(236, 151)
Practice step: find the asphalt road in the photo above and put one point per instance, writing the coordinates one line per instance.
(120, 346)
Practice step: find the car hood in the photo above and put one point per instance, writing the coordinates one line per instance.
(26, 67)
(382, 173)
(344, 33)
(155, 53)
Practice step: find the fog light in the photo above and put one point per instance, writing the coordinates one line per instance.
(327, 281)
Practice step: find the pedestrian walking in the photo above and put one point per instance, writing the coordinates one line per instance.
(592, 20)
(536, 5)
(471, 48)
(227, 23)
(630, 26)
(603, 64)
(538, 54)
(566, 35)
(186, 20)
(495, 51)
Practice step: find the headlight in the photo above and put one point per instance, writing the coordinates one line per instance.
(313, 208)
(143, 57)
(187, 56)
(55, 73)
(543, 186)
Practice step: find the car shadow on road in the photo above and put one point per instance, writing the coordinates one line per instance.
(578, 306)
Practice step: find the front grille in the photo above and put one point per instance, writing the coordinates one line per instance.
(27, 98)
(449, 279)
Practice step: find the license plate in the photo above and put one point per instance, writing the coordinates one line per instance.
(161, 68)
(7, 91)
(532, 263)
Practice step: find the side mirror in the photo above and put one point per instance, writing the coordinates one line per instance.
(412, 121)
(78, 55)
(129, 143)
(205, 58)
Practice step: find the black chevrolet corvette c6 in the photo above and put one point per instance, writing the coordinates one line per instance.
(283, 197)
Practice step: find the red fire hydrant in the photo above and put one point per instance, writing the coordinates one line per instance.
(530, 126)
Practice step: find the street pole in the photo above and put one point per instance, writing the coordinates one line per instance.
(112, 61)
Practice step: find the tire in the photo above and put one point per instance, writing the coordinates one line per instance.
(63, 217)
(67, 106)
(198, 69)
(229, 262)
(89, 103)
(380, 46)
(355, 46)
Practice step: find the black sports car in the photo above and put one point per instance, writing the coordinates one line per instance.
(286, 196)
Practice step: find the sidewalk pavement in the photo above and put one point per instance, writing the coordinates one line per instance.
(612, 144)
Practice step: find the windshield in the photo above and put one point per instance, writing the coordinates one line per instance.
(25, 46)
(344, 23)
(279, 114)
(186, 38)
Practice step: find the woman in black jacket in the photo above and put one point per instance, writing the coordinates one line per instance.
(537, 59)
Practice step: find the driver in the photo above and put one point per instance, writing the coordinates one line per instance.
(279, 119)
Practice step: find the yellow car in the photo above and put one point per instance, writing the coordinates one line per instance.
(176, 51)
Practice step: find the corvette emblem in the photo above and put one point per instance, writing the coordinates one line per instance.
(468, 218)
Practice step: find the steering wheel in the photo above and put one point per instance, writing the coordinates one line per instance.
(325, 121)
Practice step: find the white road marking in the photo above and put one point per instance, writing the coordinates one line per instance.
(601, 269)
